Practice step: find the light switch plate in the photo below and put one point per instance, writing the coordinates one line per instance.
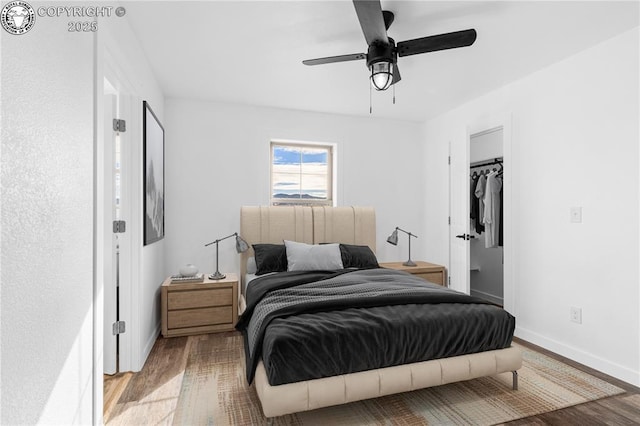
(576, 214)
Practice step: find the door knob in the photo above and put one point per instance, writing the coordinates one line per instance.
(465, 236)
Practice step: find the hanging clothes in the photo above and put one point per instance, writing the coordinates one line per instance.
(491, 217)
(474, 207)
(501, 236)
(479, 193)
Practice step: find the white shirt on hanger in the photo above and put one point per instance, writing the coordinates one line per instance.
(491, 217)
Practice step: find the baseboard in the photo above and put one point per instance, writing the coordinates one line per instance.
(487, 296)
(611, 368)
(149, 344)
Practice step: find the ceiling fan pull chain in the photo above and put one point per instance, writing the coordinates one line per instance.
(370, 107)
(394, 94)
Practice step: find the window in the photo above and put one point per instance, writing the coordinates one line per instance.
(301, 174)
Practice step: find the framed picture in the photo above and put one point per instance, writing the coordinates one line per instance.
(153, 146)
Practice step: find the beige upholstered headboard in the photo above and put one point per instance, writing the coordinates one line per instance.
(311, 225)
(346, 225)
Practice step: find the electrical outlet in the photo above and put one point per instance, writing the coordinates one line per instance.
(575, 314)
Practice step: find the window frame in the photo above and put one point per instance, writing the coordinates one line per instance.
(331, 174)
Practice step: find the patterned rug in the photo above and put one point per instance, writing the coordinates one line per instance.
(215, 392)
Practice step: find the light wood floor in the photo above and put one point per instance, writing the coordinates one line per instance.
(155, 390)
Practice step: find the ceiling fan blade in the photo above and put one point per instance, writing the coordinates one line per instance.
(396, 74)
(331, 59)
(437, 42)
(371, 20)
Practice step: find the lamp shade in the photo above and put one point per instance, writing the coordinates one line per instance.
(241, 245)
(393, 238)
(381, 75)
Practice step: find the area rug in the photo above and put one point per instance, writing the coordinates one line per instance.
(215, 392)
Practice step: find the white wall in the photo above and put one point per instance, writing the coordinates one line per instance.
(574, 143)
(47, 226)
(217, 160)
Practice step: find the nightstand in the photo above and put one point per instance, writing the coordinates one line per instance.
(431, 272)
(196, 308)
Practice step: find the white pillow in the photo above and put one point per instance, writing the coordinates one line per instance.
(251, 265)
(308, 257)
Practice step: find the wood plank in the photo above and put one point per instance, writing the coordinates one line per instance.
(627, 406)
(599, 411)
(152, 394)
(114, 386)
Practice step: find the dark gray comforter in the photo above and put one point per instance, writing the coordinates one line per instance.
(324, 323)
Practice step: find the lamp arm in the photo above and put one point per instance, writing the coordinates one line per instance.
(235, 234)
(408, 233)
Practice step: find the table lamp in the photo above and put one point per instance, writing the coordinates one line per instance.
(393, 239)
(241, 247)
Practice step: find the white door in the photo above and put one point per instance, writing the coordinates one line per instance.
(117, 229)
(110, 349)
(459, 196)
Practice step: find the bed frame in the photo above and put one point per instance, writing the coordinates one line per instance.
(351, 225)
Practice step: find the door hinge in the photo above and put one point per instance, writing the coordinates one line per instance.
(118, 327)
(119, 125)
(119, 226)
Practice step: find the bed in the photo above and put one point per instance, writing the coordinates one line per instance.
(297, 365)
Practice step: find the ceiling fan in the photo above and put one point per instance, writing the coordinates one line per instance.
(382, 55)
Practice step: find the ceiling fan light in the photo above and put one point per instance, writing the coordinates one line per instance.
(381, 75)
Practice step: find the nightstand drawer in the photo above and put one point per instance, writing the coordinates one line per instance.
(434, 277)
(202, 316)
(200, 298)
(427, 271)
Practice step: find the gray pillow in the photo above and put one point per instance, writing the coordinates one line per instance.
(270, 258)
(309, 257)
(358, 256)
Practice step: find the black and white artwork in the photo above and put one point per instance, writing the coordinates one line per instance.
(153, 136)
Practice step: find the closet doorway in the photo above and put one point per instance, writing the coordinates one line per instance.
(486, 213)
(465, 151)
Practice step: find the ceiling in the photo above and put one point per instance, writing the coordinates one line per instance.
(251, 52)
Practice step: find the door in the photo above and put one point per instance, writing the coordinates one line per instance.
(117, 229)
(459, 216)
(110, 349)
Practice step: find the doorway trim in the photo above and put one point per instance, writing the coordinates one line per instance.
(479, 125)
(106, 67)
